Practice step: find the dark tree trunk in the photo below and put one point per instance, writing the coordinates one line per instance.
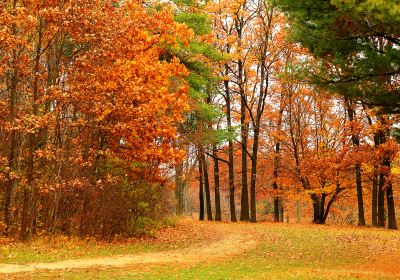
(361, 216)
(385, 184)
(201, 191)
(281, 209)
(276, 206)
(391, 207)
(216, 185)
(11, 183)
(180, 189)
(275, 182)
(316, 208)
(318, 204)
(29, 204)
(322, 209)
(381, 201)
(232, 205)
(253, 208)
(356, 142)
(374, 196)
(10, 187)
(374, 201)
(206, 186)
(24, 234)
(244, 199)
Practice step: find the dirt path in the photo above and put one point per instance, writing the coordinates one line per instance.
(237, 241)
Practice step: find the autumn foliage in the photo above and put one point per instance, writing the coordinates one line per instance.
(105, 104)
(88, 107)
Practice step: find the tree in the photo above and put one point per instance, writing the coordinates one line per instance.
(80, 101)
(357, 51)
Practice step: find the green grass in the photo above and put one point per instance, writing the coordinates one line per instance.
(285, 252)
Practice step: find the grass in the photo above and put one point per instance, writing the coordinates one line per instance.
(50, 249)
(285, 252)
(58, 247)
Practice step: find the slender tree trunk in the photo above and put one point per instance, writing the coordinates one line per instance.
(11, 183)
(275, 181)
(180, 186)
(216, 186)
(356, 142)
(206, 186)
(244, 206)
(381, 201)
(385, 184)
(361, 216)
(232, 205)
(374, 203)
(276, 205)
(201, 191)
(253, 208)
(374, 196)
(29, 203)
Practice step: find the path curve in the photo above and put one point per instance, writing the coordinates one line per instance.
(233, 244)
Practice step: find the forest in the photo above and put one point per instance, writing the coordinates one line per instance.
(158, 124)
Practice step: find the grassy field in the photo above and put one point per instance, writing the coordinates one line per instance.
(283, 252)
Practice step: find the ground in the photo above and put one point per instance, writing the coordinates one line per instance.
(210, 250)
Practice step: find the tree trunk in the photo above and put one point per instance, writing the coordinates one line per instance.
(275, 182)
(206, 186)
(201, 191)
(391, 207)
(180, 186)
(356, 142)
(276, 206)
(374, 203)
(360, 203)
(316, 209)
(322, 209)
(381, 201)
(244, 206)
(232, 205)
(216, 186)
(11, 183)
(253, 208)
(281, 209)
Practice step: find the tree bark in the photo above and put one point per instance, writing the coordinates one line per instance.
(360, 202)
(356, 142)
(276, 205)
(206, 186)
(244, 199)
(281, 209)
(11, 183)
(232, 205)
(180, 187)
(275, 182)
(253, 209)
(381, 201)
(374, 196)
(374, 203)
(201, 191)
(391, 207)
(29, 204)
(216, 186)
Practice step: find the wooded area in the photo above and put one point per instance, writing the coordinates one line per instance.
(113, 114)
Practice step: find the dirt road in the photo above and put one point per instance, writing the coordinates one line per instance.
(235, 240)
